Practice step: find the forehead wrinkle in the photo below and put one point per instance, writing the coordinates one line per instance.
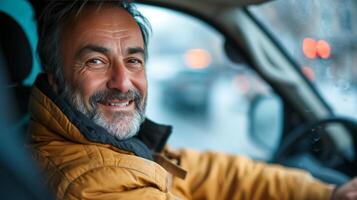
(106, 34)
(120, 45)
(122, 42)
(121, 33)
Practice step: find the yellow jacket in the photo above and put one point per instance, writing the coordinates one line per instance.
(78, 168)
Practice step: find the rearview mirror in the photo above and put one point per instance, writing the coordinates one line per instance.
(266, 122)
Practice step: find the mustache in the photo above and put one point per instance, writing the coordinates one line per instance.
(109, 95)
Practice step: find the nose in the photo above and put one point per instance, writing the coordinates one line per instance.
(119, 78)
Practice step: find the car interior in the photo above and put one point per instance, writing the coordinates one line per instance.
(245, 40)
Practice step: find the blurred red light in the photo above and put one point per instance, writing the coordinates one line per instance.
(197, 58)
(309, 73)
(323, 49)
(242, 83)
(310, 48)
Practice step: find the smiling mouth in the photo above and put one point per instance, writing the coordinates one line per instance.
(118, 104)
(122, 104)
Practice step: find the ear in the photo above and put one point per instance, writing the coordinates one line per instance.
(51, 80)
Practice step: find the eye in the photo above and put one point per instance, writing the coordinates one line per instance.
(95, 63)
(135, 63)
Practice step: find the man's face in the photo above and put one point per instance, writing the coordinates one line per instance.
(103, 65)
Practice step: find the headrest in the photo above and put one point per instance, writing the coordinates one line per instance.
(16, 49)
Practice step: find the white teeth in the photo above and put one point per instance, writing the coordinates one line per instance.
(123, 104)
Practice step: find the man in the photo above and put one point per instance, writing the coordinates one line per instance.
(89, 130)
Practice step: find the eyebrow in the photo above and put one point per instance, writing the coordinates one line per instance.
(134, 50)
(95, 48)
(91, 48)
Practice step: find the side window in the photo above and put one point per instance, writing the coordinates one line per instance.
(211, 102)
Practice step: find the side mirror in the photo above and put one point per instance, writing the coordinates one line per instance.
(266, 122)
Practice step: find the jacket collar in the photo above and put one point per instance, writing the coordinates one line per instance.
(152, 137)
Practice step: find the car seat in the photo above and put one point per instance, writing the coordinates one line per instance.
(18, 59)
(19, 176)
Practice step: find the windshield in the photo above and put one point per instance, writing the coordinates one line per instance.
(321, 36)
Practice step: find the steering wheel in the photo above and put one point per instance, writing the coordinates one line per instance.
(299, 134)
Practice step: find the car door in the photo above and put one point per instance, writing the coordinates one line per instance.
(226, 84)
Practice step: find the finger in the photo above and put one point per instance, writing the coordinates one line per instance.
(351, 196)
(351, 186)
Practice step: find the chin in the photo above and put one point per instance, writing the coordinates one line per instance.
(121, 125)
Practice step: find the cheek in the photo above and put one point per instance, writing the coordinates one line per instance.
(89, 83)
(141, 83)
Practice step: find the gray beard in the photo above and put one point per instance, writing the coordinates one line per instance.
(123, 125)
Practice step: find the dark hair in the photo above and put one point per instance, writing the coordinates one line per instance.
(54, 17)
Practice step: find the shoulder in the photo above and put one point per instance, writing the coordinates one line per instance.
(84, 168)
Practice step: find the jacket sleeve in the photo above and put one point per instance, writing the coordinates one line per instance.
(220, 176)
(101, 183)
